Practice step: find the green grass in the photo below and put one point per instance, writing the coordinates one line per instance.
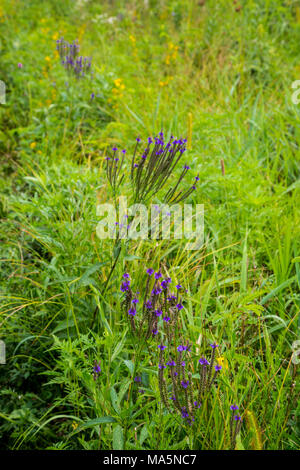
(204, 70)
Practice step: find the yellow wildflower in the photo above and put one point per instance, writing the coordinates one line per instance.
(119, 86)
(166, 82)
(172, 53)
(74, 425)
(32, 145)
(222, 361)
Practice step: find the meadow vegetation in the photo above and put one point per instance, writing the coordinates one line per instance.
(218, 74)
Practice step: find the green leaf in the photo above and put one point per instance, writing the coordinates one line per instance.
(119, 346)
(278, 289)
(130, 366)
(96, 422)
(123, 390)
(114, 400)
(144, 434)
(84, 280)
(239, 444)
(118, 438)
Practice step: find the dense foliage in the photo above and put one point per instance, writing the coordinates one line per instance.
(197, 348)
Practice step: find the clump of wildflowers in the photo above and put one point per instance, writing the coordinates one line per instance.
(152, 165)
(177, 384)
(76, 65)
(158, 309)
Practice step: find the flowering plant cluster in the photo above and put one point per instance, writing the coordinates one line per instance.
(151, 168)
(76, 65)
(178, 389)
(160, 305)
(183, 389)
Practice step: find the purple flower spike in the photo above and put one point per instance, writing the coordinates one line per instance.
(125, 286)
(126, 275)
(186, 167)
(162, 347)
(180, 348)
(96, 370)
(137, 378)
(138, 139)
(148, 304)
(179, 286)
(214, 345)
(150, 271)
(166, 319)
(135, 301)
(114, 149)
(171, 363)
(179, 306)
(157, 275)
(158, 312)
(161, 366)
(237, 418)
(185, 383)
(217, 368)
(203, 361)
(132, 311)
(156, 291)
(184, 412)
(234, 407)
(171, 297)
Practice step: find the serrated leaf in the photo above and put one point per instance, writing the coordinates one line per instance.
(130, 366)
(119, 346)
(96, 422)
(123, 390)
(118, 438)
(114, 400)
(144, 434)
